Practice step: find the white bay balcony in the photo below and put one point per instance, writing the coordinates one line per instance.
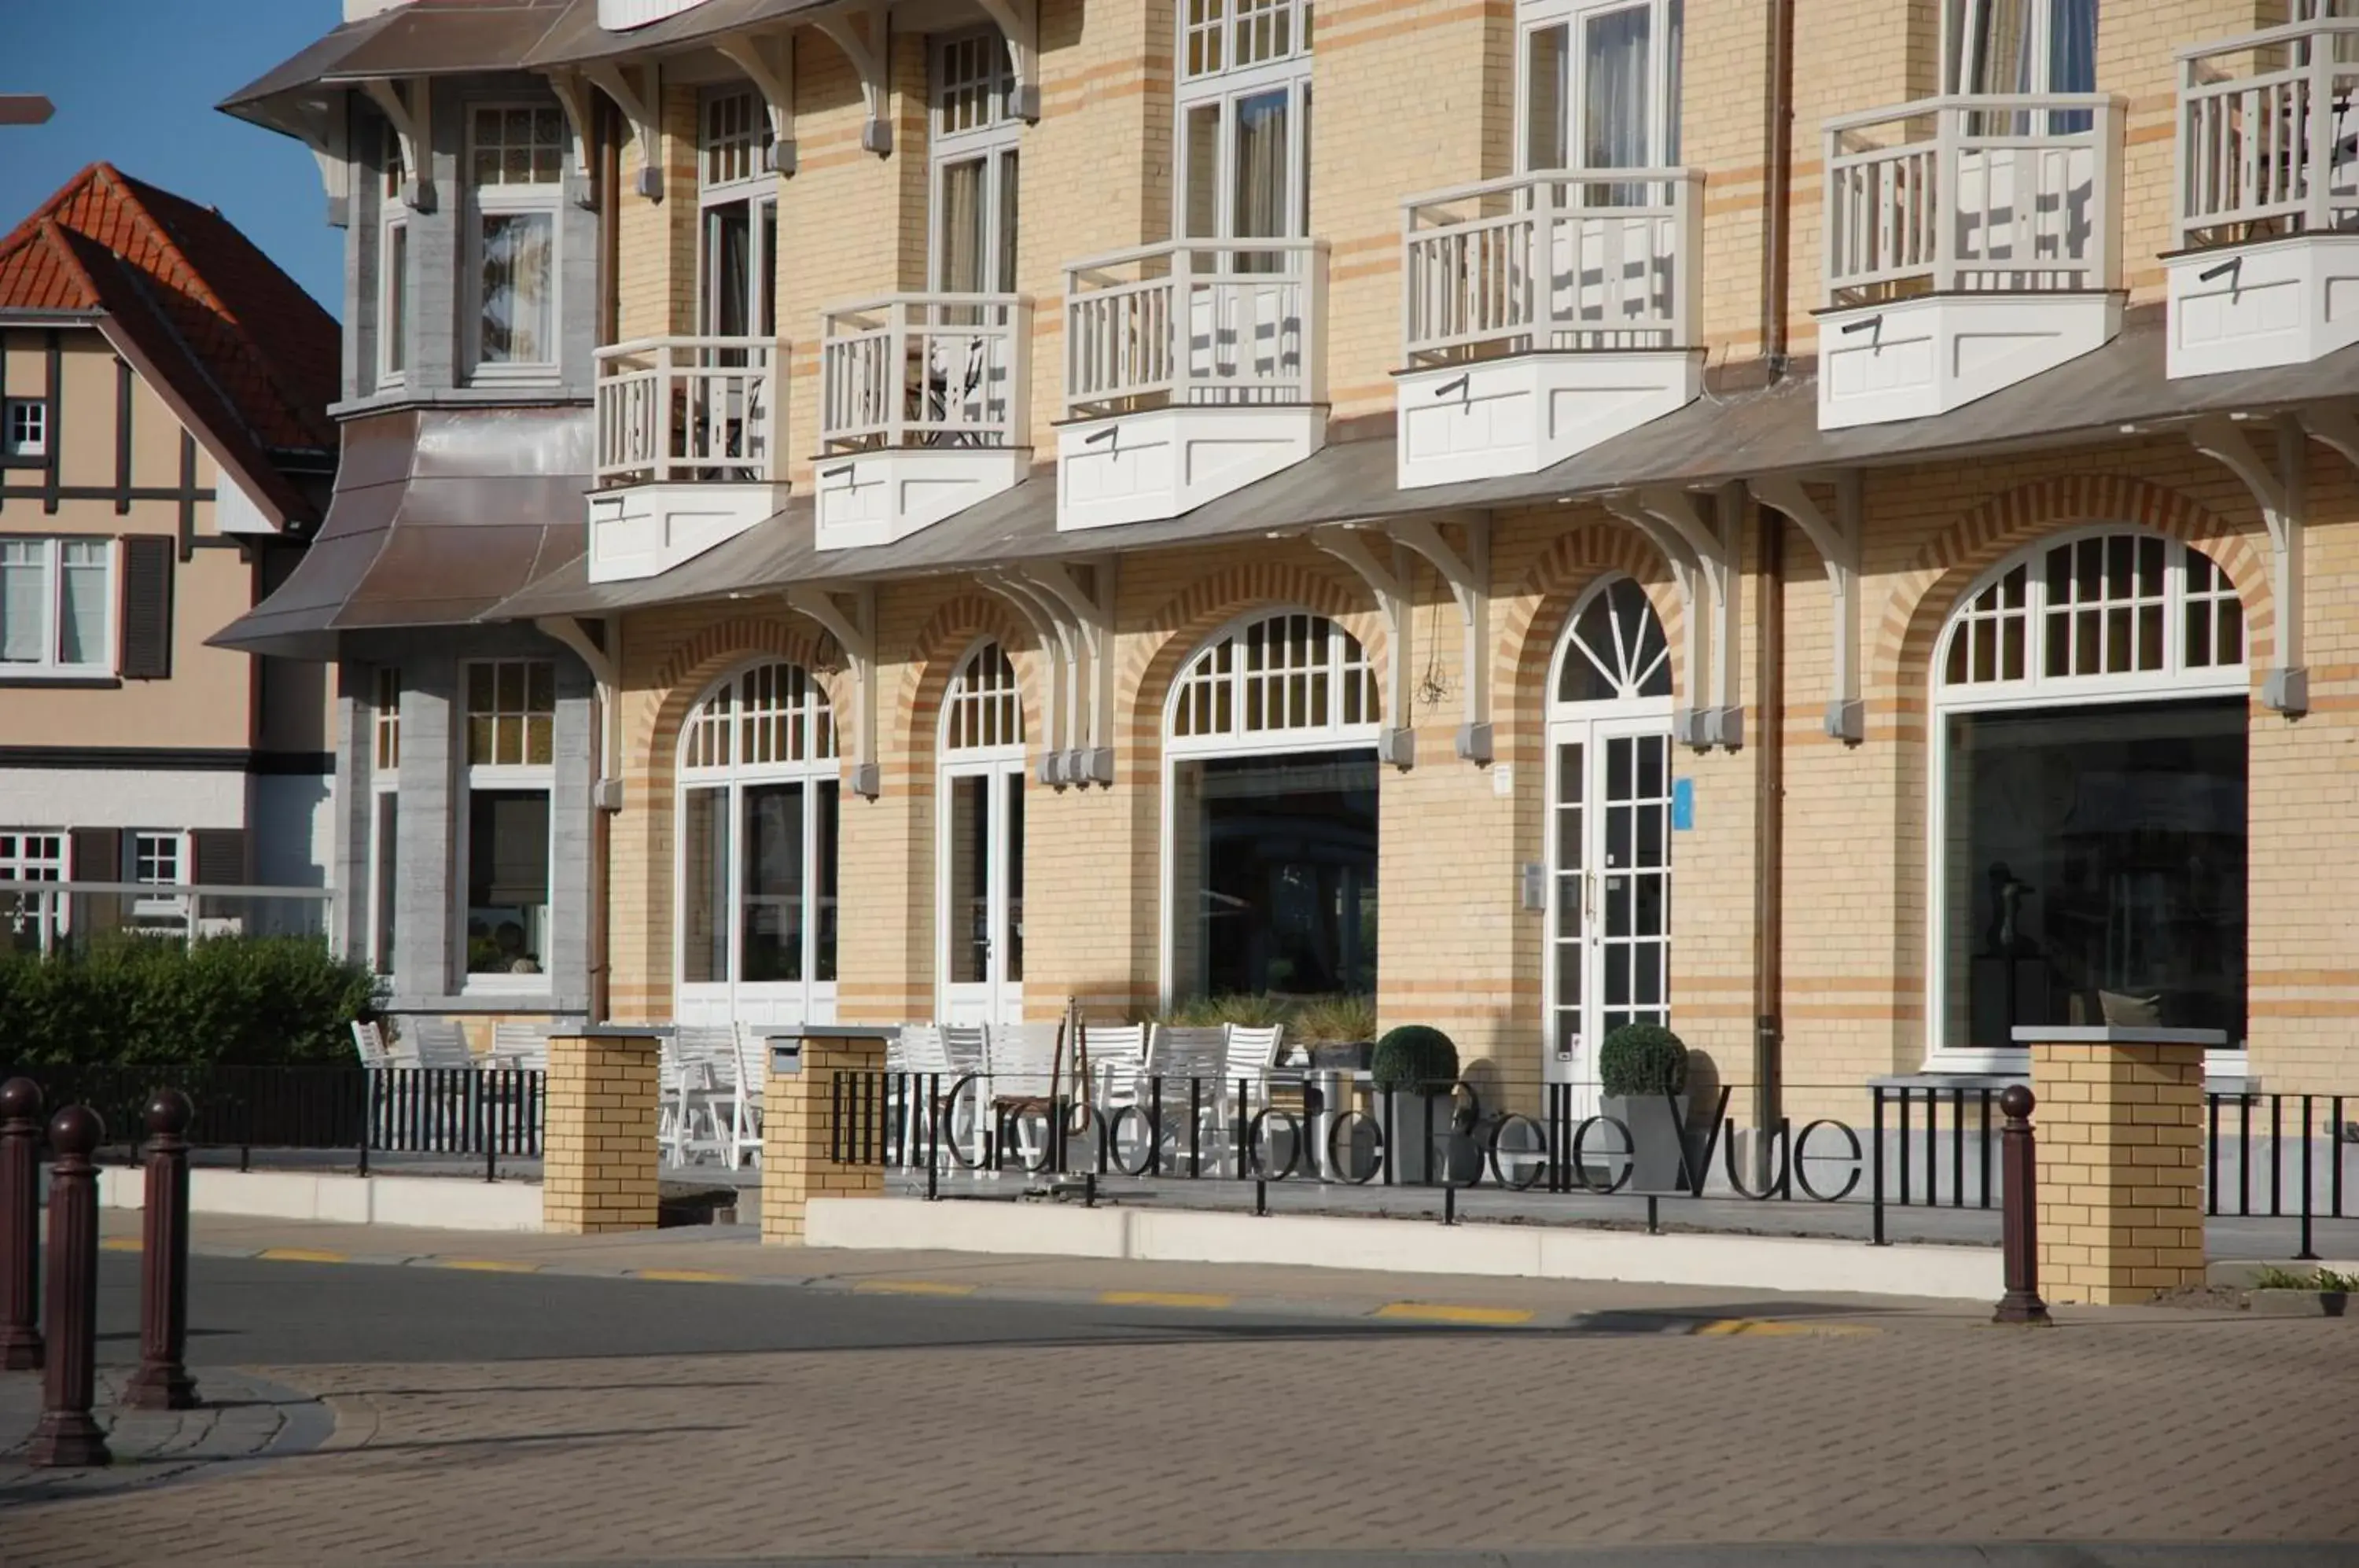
(688, 450)
(925, 409)
(1971, 242)
(2265, 266)
(1542, 314)
(1192, 368)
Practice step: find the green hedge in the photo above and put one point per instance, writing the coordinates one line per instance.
(254, 1001)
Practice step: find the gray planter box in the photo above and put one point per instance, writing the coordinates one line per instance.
(1657, 1128)
(2300, 1304)
(1410, 1158)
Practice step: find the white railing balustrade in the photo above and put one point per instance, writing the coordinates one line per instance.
(927, 370)
(1984, 192)
(1197, 322)
(688, 408)
(1551, 260)
(2269, 134)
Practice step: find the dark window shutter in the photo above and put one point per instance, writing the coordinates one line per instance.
(98, 855)
(147, 607)
(220, 854)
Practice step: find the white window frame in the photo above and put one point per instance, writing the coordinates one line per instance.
(2175, 681)
(1664, 82)
(392, 281)
(1227, 86)
(545, 198)
(818, 762)
(144, 844)
(1238, 741)
(1960, 48)
(1001, 762)
(504, 778)
(49, 667)
(996, 141)
(384, 796)
(34, 854)
(758, 188)
(33, 413)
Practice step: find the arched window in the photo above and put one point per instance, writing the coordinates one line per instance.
(1270, 776)
(981, 896)
(1609, 831)
(1614, 648)
(758, 803)
(2087, 806)
(1284, 673)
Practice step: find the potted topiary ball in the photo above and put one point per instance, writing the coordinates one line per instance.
(1643, 1071)
(1413, 1070)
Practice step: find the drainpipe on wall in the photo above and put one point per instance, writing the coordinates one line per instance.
(607, 740)
(1777, 194)
(1769, 836)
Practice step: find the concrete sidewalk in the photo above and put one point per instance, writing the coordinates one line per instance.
(733, 1255)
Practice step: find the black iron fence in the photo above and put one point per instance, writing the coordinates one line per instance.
(459, 1112)
(1907, 1147)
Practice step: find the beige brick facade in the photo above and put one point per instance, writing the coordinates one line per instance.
(1411, 96)
(813, 1122)
(598, 1135)
(2120, 1131)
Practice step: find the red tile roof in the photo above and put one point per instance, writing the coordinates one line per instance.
(243, 348)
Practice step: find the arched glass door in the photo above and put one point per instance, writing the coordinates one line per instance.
(1609, 924)
(981, 919)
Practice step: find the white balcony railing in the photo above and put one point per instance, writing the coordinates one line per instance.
(927, 370)
(1197, 322)
(1990, 193)
(1550, 260)
(2268, 138)
(671, 408)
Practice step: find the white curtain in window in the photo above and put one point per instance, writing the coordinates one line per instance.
(1261, 189)
(1614, 46)
(961, 227)
(82, 626)
(519, 288)
(23, 615)
(1547, 82)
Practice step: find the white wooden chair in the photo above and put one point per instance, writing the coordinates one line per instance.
(1024, 1068)
(1117, 1061)
(743, 1100)
(368, 1038)
(707, 1056)
(441, 1043)
(1246, 1056)
(1178, 1055)
(520, 1046)
(919, 1049)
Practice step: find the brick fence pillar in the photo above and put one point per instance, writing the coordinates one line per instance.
(598, 1136)
(820, 1075)
(2120, 1131)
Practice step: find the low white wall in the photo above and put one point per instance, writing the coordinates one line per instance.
(438, 1203)
(1406, 1247)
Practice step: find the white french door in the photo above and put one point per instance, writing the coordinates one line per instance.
(1609, 924)
(982, 893)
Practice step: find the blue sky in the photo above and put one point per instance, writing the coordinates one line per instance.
(134, 83)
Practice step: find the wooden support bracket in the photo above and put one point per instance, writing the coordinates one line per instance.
(1837, 540)
(1469, 577)
(1019, 22)
(768, 61)
(1396, 741)
(641, 102)
(872, 57)
(409, 105)
(854, 631)
(2279, 491)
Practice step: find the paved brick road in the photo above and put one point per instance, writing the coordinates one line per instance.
(2153, 1426)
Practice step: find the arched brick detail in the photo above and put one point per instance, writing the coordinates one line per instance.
(1921, 598)
(949, 634)
(1544, 597)
(1178, 629)
(681, 679)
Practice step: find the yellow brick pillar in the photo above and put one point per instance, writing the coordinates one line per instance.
(824, 1121)
(598, 1134)
(2120, 1135)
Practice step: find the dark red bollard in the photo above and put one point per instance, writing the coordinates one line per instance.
(162, 1382)
(20, 1225)
(2019, 1215)
(67, 1435)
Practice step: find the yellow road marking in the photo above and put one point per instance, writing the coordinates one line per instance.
(912, 1288)
(487, 1265)
(1762, 1328)
(1165, 1298)
(1441, 1312)
(687, 1276)
(119, 1244)
(301, 1255)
